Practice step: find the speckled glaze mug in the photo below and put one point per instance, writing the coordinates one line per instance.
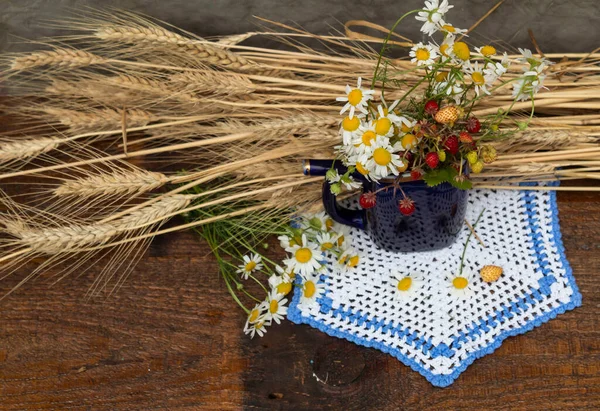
(435, 224)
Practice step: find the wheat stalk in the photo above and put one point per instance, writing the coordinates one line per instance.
(76, 237)
(117, 182)
(59, 58)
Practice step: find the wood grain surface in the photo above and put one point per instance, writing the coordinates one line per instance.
(172, 338)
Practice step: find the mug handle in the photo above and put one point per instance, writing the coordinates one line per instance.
(352, 218)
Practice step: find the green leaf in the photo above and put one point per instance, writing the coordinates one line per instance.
(465, 184)
(436, 177)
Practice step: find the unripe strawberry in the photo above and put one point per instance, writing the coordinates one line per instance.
(488, 154)
(472, 157)
(477, 167)
(447, 115)
(490, 273)
(465, 137)
(442, 155)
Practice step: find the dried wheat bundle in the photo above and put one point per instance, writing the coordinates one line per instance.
(126, 122)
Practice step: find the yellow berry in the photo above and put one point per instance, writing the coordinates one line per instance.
(477, 167)
(472, 157)
(491, 273)
(447, 115)
(442, 155)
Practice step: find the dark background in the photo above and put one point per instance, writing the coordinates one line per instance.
(559, 26)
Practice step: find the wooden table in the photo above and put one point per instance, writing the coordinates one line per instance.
(172, 338)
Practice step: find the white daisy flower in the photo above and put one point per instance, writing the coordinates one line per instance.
(433, 15)
(446, 47)
(364, 138)
(327, 241)
(382, 161)
(276, 309)
(356, 99)
(493, 71)
(284, 241)
(350, 183)
(320, 221)
(460, 286)
(342, 233)
(531, 83)
(305, 257)
(251, 264)
(424, 54)
(348, 260)
(354, 160)
(527, 56)
(477, 77)
(260, 328)
(486, 51)
(255, 323)
(451, 30)
(349, 127)
(282, 283)
(311, 290)
(406, 285)
(451, 88)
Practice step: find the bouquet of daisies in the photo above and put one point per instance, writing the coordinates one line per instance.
(429, 132)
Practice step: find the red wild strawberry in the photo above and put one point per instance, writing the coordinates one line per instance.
(432, 160)
(431, 107)
(473, 125)
(406, 206)
(465, 137)
(451, 144)
(368, 200)
(416, 174)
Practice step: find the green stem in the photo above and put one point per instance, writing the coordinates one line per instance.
(464, 253)
(385, 42)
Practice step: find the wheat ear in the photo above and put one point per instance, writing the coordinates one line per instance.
(59, 57)
(99, 120)
(76, 237)
(118, 182)
(26, 148)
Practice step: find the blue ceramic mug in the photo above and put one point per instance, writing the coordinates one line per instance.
(435, 224)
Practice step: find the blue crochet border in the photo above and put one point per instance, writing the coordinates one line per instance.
(295, 315)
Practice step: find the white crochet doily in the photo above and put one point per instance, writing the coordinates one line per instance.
(434, 331)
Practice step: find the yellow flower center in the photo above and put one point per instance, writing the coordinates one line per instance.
(408, 141)
(340, 241)
(382, 157)
(422, 54)
(441, 76)
(385, 113)
(460, 282)
(259, 325)
(402, 168)
(328, 224)
(273, 306)
(353, 261)
(284, 288)
(326, 246)
(478, 78)
(443, 49)
(449, 28)
(253, 315)
(461, 49)
(405, 128)
(488, 51)
(404, 284)
(355, 97)
(309, 289)
(303, 255)
(383, 126)
(361, 169)
(350, 124)
(367, 137)
(250, 266)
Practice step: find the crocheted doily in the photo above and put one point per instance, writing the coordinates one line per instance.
(433, 330)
